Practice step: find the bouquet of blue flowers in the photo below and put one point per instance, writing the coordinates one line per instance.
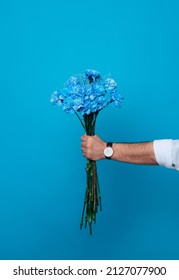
(86, 95)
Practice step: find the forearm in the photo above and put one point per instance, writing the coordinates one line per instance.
(159, 152)
(138, 153)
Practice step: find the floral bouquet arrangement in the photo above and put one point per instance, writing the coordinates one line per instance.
(86, 95)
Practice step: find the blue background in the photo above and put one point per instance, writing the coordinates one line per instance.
(42, 175)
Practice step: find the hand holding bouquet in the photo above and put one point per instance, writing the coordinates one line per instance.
(86, 95)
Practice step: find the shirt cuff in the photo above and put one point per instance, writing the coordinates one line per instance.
(175, 154)
(163, 152)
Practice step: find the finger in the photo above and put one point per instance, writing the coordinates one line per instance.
(84, 150)
(83, 144)
(84, 153)
(83, 137)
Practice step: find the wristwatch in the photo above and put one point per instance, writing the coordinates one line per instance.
(108, 151)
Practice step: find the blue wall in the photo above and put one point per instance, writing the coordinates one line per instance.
(42, 175)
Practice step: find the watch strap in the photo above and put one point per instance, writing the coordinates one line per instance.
(109, 144)
(107, 157)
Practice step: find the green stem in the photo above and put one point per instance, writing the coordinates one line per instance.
(92, 196)
(80, 120)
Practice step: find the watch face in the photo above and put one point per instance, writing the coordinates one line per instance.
(108, 151)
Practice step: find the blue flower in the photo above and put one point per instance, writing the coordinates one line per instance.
(56, 98)
(73, 81)
(77, 104)
(110, 84)
(92, 74)
(87, 93)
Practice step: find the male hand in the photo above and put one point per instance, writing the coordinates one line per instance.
(93, 147)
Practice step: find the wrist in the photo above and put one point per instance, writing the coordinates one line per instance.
(114, 146)
(102, 151)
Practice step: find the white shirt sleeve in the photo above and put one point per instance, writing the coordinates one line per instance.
(175, 154)
(167, 153)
